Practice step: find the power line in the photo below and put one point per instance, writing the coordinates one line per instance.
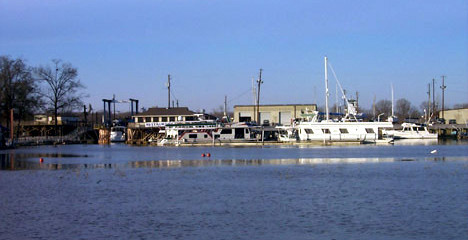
(240, 95)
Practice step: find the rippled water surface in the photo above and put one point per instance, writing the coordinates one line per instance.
(321, 192)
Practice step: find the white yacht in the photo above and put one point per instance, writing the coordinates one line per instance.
(118, 134)
(287, 133)
(347, 129)
(411, 131)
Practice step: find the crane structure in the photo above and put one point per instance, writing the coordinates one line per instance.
(107, 115)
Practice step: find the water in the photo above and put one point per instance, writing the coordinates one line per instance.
(331, 192)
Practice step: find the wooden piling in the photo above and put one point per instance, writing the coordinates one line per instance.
(104, 136)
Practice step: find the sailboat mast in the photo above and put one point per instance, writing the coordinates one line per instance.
(392, 100)
(326, 89)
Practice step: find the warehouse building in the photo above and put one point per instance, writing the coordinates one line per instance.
(280, 114)
(455, 116)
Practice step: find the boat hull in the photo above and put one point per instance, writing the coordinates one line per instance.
(342, 131)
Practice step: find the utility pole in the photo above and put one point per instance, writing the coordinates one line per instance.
(428, 118)
(254, 94)
(443, 87)
(168, 84)
(177, 103)
(433, 97)
(225, 105)
(259, 82)
(393, 98)
(113, 101)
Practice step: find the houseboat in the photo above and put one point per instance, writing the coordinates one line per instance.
(346, 129)
(206, 132)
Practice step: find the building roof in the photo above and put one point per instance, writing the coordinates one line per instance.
(178, 111)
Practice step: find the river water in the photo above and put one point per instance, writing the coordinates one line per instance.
(410, 190)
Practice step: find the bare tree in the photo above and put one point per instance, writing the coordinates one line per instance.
(18, 90)
(414, 112)
(383, 106)
(403, 107)
(62, 86)
(460, 105)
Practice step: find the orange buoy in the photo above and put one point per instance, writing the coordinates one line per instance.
(41, 159)
(203, 155)
(208, 155)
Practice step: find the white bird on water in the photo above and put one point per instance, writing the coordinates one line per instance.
(434, 151)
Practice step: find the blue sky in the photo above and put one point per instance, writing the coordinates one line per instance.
(214, 48)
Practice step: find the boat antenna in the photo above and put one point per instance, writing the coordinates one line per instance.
(342, 91)
(326, 89)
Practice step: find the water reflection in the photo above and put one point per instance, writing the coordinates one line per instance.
(8, 162)
(416, 142)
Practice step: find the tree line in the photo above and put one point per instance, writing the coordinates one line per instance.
(53, 89)
(402, 110)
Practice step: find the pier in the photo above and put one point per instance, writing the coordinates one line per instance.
(458, 131)
(138, 134)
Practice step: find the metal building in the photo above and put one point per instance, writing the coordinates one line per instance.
(455, 116)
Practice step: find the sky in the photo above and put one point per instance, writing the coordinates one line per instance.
(215, 48)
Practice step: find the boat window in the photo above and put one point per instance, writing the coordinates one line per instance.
(369, 130)
(192, 135)
(147, 119)
(205, 136)
(171, 119)
(343, 130)
(140, 119)
(326, 130)
(421, 129)
(164, 119)
(226, 131)
(155, 119)
(308, 131)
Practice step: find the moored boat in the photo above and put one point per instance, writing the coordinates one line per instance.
(346, 129)
(411, 131)
(206, 132)
(118, 134)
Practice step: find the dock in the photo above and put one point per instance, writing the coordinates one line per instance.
(458, 131)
